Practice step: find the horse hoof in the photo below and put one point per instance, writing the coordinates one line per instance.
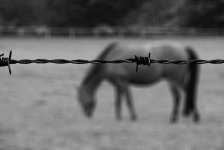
(196, 118)
(134, 118)
(173, 120)
(186, 113)
(119, 119)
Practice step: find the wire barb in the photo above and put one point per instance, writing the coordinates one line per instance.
(142, 61)
(6, 61)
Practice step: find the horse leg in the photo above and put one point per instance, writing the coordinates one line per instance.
(176, 98)
(186, 108)
(119, 93)
(130, 104)
(196, 115)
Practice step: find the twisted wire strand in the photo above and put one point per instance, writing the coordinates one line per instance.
(131, 60)
(4, 61)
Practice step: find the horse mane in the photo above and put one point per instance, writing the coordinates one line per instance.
(96, 68)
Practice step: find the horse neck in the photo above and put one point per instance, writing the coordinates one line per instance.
(95, 74)
(92, 84)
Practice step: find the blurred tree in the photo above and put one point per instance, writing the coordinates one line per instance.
(15, 12)
(66, 13)
(90, 13)
(151, 13)
(110, 12)
(39, 10)
(203, 13)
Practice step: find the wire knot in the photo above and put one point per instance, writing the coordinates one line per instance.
(5, 61)
(142, 61)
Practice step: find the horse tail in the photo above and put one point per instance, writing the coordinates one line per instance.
(191, 87)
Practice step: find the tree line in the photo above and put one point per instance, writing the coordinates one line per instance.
(91, 13)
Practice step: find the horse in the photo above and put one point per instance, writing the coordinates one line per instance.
(180, 78)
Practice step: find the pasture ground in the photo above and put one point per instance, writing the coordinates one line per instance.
(39, 110)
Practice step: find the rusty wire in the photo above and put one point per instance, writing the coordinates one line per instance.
(6, 61)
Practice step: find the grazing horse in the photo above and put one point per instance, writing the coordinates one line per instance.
(179, 77)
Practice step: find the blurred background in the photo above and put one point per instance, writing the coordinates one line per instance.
(117, 17)
(38, 103)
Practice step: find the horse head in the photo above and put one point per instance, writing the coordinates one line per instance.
(87, 101)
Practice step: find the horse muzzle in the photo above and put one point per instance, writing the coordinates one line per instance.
(88, 113)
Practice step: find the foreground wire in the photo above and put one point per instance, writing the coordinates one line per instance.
(4, 61)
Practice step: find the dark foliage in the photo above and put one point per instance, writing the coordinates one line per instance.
(90, 13)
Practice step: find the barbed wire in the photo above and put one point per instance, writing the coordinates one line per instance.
(138, 60)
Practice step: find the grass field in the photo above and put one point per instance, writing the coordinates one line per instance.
(39, 110)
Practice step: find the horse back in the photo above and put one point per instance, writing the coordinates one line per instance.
(145, 75)
(172, 72)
